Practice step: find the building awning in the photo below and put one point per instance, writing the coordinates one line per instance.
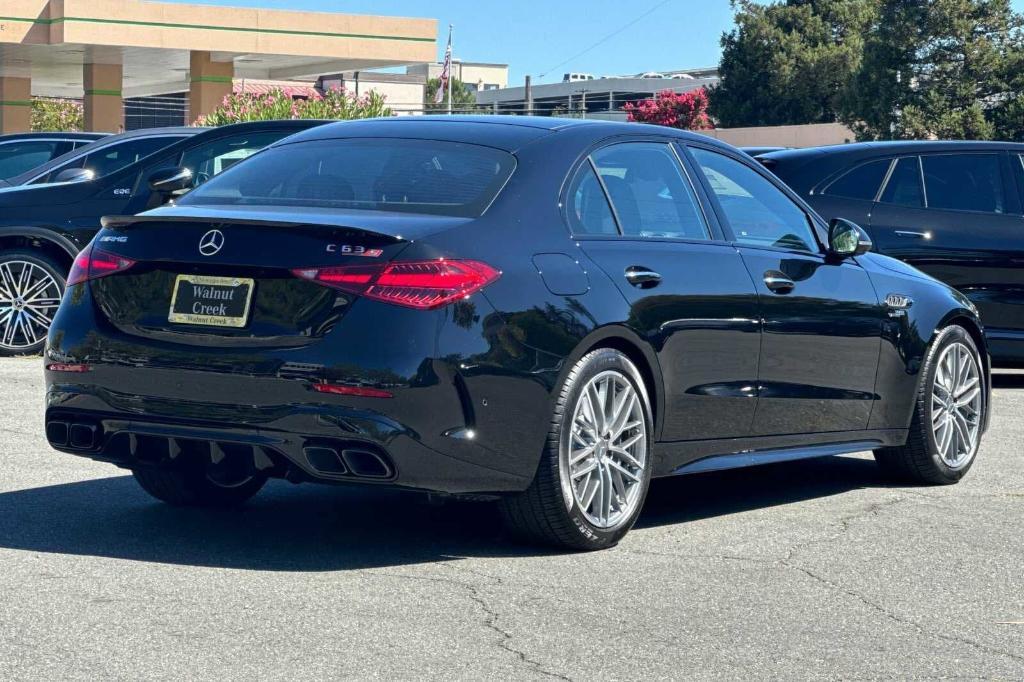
(265, 87)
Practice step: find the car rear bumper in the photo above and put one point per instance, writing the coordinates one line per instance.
(300, 442)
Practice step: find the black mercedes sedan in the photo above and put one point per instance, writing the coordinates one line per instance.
(952, 209)
(548, 313)
(57, 208)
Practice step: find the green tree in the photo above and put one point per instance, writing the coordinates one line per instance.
(462, 98)
(939, 69)
(789, 62)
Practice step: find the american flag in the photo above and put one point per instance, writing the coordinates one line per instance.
(446, 71)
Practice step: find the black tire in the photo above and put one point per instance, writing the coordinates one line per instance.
(192, 488)
(919, 460)
(51, 267)
(545, 512)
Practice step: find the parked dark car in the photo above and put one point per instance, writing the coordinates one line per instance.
(951, 209)
(46, 222)
(547, 312)
(757, 151)
(103, 156)
(21, 152)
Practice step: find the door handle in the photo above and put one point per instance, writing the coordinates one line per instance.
(642, 277)
(778, 282)
(914, 234)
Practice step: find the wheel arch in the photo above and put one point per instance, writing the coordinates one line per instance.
(57, 246)
(639, 352)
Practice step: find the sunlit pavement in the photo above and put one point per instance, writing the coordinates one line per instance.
(802, 570)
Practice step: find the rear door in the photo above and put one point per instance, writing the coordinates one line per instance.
(821, 319)
(957, 216)
(689, 294)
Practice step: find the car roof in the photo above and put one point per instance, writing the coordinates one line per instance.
(892, 147)
(55, 134)
(506, 132)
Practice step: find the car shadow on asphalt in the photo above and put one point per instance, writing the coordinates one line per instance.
(323, 528)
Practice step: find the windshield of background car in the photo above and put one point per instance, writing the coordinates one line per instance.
(414, 176)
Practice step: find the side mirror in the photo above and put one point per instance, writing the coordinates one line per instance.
(847, 239)
(74, 175)
(171, 181)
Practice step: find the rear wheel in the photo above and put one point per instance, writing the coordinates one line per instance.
(595, 471)
(948, 417)
(197, 487)
(31, 285)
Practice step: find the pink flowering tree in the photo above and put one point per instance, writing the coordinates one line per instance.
(278, 104)
(687, 110)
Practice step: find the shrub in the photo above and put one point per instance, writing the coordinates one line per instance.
(688, 110)
(276, 105)
(57, 115)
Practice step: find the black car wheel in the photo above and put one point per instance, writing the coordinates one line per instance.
(31, 286)
(595, 471)
(196, 487)
(948, 417)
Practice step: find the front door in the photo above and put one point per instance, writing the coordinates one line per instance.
(822, 319)
(689, 293)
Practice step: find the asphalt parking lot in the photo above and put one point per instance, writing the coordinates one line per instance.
(804, 570)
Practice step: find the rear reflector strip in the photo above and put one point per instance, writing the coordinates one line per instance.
(355, 391)
(65, 367)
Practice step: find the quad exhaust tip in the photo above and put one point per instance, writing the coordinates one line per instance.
(355, 461)
(75, 435)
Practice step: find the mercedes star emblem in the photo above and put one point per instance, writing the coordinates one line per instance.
(211, 243)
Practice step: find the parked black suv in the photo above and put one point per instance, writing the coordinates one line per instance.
(43, 226)
(21, 152)
(951, 209)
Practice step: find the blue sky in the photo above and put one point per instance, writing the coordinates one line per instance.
(535, 36)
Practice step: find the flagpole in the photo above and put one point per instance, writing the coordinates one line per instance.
(451, 70)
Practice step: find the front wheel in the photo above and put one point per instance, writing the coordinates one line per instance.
(949, 415)
(595, 471)
(31, 285)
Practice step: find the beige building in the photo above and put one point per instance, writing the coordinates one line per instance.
(106, 50)
(477, 76)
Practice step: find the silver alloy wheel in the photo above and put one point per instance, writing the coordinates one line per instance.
(29, 297)
(957, 405)
(602, 467)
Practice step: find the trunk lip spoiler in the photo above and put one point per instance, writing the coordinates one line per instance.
(125, 221)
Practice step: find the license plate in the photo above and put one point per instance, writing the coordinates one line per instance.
(211, 301)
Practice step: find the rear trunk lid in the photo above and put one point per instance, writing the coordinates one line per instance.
(226, 277)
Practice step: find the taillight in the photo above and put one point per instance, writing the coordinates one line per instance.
(417, 284)
(93, 263)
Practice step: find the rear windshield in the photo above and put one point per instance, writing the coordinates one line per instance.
(415, 176)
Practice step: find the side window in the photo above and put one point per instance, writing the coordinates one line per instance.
(904, 186)
(589, 212)
(964, 182)
(112, 159)
(651, 195)
(759, 213)
(18, 157)
(209, 159)
(862, 182)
